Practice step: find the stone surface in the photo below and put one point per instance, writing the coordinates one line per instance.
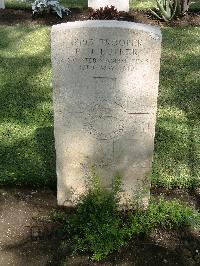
(105, 87)
(2, 4)
(121, 5)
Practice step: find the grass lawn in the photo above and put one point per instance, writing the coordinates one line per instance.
(27, 147)
(145, 4)
(27, 4)
(177, 147)
(27, 144)
(134, 4)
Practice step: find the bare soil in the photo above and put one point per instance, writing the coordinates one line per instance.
(12, 17)
(28, 235)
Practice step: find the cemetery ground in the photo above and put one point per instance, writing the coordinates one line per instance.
(12, 16)
(28, 235)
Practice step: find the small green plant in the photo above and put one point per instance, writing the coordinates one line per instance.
(168, 9)
(97, 225)
(164, 214)
(99, 228)
(42, 6)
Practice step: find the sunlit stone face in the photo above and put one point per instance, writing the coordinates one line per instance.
(105, 87)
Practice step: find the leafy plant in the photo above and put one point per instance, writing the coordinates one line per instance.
(41, 6)
(98, 222)
(164, 214)
(168, 9)
(99, 228)
(105, 13)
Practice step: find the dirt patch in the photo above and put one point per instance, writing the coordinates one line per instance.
(28, 236)
(12, 17)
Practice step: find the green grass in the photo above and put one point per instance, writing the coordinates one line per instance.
(15, 4)
(134, 4)
(195, 5)
(142, 4)
(75, 3)
(27, 146)
(27, 4)
(177, 147)
(146, 4)
(79, 3)
(26, 107)
(98, 228)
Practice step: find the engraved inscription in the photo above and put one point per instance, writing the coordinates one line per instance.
(105, 81)
(107, 54)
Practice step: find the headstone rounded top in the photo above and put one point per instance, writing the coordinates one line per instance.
(108, 24)
(105, 88)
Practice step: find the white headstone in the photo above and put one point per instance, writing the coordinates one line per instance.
(2, 4)
(105, 86)
(121, 5)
